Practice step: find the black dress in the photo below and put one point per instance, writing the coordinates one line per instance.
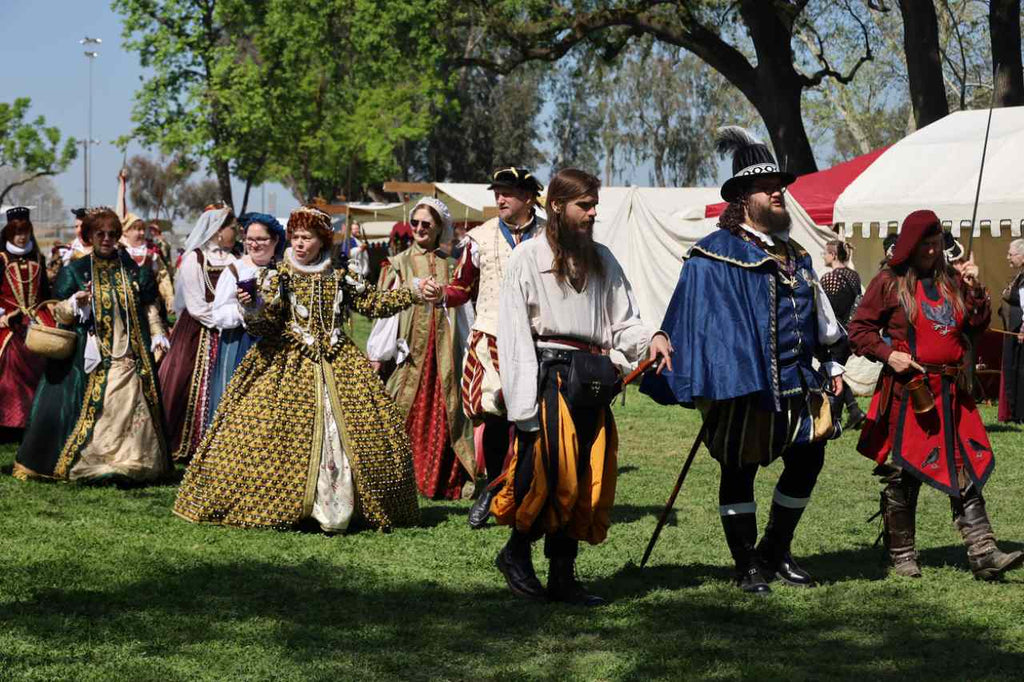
(1011, 398)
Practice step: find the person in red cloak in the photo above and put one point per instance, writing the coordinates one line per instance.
(922, 418)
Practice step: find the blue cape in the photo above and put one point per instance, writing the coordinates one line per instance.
(721, 321)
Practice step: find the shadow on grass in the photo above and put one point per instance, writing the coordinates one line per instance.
(1003, 427)
(356, 623)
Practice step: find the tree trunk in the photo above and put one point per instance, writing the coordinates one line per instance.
(1007, 70)
(245, 197)
(924, 63)
(223, 172)
(776, 87)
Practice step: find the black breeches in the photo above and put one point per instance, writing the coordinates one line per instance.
(496, 442)
(802, 464)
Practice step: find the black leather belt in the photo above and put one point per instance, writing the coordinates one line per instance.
(555, 354)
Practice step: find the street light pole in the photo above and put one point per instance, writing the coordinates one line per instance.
(91, 56)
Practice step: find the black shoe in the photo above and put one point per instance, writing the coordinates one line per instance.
(750, 580)
(481, 509)
(563, 586)
(781, 564)
(519, 575)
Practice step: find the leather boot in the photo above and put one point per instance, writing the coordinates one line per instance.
(740, 534)
(899, 516)
(481, 509)
(563, 586)
(986, 560)
(856, 416)
(515, 563)
(774, 548)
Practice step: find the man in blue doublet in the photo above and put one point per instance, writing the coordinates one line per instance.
(747, 321)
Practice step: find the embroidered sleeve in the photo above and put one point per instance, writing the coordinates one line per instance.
(464, 284)
(369, 301)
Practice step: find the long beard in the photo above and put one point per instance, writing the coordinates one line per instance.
(580, 253)
(763, 215)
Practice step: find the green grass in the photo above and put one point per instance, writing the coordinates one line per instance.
(101, 584)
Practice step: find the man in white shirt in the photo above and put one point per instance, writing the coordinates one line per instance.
(567, 317)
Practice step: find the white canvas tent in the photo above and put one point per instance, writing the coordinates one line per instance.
(937, 167)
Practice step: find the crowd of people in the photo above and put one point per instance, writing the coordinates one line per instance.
(490, 369)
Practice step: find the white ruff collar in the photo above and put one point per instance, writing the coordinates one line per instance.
(319, 266)
(15, 251)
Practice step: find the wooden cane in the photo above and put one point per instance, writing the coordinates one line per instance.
(675, 492)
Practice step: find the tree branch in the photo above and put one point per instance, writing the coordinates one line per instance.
(827, 71)
(24, 181)
(566, 33)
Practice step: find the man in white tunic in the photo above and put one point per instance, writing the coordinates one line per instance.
(568, 321)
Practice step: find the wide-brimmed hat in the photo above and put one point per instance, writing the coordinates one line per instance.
(515, 178)
(751, 159)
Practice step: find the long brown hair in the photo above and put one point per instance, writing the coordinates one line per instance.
(905, 283)
(569, 253)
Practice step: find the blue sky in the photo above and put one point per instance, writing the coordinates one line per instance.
(43, 60)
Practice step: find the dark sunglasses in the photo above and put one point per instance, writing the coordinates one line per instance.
(425, 223)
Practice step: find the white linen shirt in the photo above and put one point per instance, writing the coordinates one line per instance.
(190, 284)
(534, 304)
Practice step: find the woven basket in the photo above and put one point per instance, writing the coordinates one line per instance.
(50, 342)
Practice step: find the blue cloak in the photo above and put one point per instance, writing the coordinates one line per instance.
(722, 324)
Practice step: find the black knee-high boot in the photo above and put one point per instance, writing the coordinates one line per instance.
(741, 534)
(774, 548)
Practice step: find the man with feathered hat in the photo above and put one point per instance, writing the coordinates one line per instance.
(747, 318)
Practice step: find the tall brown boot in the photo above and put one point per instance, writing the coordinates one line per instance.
(986, 560)
(899, 512)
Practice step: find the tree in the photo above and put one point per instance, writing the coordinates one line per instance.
(1008, 72)
(193, 197)
(40, 192)
(183, 44)
(924, 63)
(31, 147)
(487, 121)
(749, 42)
(577, 121)
(154, 185)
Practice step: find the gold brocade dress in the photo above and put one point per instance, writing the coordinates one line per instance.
(305, 428)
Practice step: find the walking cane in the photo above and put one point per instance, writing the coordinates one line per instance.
(675, 492)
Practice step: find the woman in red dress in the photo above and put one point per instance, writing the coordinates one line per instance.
(922, 417)
(23, 286)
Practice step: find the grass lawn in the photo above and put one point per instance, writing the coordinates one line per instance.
(102, 583)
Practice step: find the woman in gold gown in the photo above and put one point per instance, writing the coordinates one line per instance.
(305, 428)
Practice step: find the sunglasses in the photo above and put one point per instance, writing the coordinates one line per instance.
(425, 223)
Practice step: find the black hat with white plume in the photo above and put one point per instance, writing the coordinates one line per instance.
(751, 159)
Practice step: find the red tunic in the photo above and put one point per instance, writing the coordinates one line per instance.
(934, 445)
(23, 285)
